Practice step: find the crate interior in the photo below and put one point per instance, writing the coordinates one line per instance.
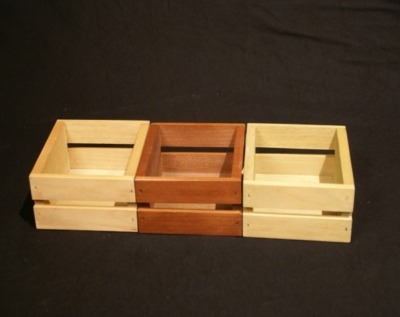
(196, 151)
(94, 148)
(295, 167)
(293, 156)
(183, 151)
(98, 160)
(98, 148)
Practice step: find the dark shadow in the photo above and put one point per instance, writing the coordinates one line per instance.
(26, 211)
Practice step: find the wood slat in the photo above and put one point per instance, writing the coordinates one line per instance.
(188, 190)
(86, 218)
(297, 227)
(343, 157)
(287, 195)
(294, 136)
(250, 152)
(99, 158)
(197, 134)
(53, 158)
(196, 222)
(136, 153)
(150, 161)
(178, 162)
(102, 131)
(83, 187)
(296, 164)
(238, 152)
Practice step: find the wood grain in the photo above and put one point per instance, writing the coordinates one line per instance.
(97, 218)
(297, 227)
(197, 134)
(294, 136)
(102, 131)
(196, 222)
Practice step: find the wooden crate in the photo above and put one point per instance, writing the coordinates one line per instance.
(189, 179)
(298, 182)
(84, 176)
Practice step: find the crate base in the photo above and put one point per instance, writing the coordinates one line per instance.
(191, 222)
(297, 227)
(97, 218)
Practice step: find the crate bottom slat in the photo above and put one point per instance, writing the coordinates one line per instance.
(298, 227)
(190, 222)
(96, 218)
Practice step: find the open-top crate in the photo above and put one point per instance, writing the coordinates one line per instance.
(298, 182)
(84, 176)
(189, 179)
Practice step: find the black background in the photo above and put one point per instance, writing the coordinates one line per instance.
(322, 62)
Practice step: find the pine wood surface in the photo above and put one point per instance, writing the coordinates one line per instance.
(297, 227)
(111, 218)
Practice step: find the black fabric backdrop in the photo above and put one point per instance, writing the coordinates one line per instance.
(322, 62)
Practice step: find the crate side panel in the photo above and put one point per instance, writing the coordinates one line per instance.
(86, 218)
(189, 190)
(83, 187)
(150, 160)
(137, 151)
(297, 164)
(343, 157)
(250, 151)
(102, 131)
(214, 163)
(238, 152)
(54, 156)
(333, 197)
(196, 222)
(55, 139)
(292, 136)
(198, 135)
(315, 228)
(57, 160)
(99, 158)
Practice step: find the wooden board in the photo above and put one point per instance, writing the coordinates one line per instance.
(198, 135)
(105, 158)
(188, 190)
(98, 218)
(53, 158)
(182, 163)
(295, 164)
(196, 222)
(291, 195)
(297, 227)
(103, 131)
(83, 187)
(294, 136)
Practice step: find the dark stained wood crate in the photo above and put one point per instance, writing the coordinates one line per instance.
(192, 173)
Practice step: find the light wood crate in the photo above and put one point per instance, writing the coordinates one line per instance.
(189, 179)
(84, 176)
(298, 182)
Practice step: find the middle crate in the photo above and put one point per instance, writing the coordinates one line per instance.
(189, 179)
